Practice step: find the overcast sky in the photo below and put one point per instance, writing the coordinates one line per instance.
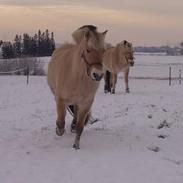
(143, 22)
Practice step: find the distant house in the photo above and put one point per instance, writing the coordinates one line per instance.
(174, 51)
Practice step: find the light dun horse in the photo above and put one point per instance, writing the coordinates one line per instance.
(73, 76)
(115, 60)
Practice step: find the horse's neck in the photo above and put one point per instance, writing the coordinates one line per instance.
(77, 60)
(116, 53)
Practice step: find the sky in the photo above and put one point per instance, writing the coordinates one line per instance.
(142, 22)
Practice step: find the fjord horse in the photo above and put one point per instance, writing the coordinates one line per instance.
(73, 76)
(117, 59)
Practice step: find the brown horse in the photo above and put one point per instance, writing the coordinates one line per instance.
(115, 60)
(73, 76)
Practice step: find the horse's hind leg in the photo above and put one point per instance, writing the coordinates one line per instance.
(114, 81)
(82, 115)
(126, 73)
(107, 87)
(61, 112)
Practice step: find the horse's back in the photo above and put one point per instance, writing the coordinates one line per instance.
(108, 58)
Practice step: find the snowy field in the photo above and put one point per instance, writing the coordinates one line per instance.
(138, 140)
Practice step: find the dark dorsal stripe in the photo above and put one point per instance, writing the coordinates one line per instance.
(90, 27)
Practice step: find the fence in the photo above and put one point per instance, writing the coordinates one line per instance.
(18, 66)
(170, 72)
(35, 66)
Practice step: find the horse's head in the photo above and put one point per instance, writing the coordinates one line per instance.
(96, 39)
(93, 55)
(126, 50)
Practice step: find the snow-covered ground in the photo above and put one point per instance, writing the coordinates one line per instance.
(138, 140)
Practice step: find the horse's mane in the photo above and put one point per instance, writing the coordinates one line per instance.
(90, 27)
(66, 45)
(97, 38)
(78, 34)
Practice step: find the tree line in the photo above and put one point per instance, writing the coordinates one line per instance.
(41, 44)
(175, 50)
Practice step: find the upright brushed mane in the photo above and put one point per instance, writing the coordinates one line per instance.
(96, 38)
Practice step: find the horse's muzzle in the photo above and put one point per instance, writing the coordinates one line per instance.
(97, 77)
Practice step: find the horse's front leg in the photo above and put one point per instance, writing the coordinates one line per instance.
(74, 121)
(114, 81)
(82, 114)
(61, 112)
(126, 74)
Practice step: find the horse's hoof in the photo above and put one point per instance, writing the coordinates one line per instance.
(127, 91)
(76, 146)
(59, 131)
(106, 91)
(112, 92)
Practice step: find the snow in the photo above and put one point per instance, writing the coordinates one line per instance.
(127, 144)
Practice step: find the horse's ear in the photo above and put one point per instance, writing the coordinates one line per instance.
(125, 42)
(104, 33)
(87, 35)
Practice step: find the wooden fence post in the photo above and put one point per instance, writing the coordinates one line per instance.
(27, 74)
(180, 77)
(170, 75)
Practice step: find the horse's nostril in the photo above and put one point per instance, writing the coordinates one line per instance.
(132, 63)
(94, 75)
(97, 77)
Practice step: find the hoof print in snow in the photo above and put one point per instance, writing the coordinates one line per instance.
(164, 110)
(177, 162)
(154, 149)
(162, 136)
(149, 116)
(164, 124)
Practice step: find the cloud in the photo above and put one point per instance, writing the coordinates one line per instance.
(148, 21)
(153, 7)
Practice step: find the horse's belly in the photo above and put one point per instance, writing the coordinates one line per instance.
(82, 95)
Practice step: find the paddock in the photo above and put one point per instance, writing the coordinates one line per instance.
(130, 136)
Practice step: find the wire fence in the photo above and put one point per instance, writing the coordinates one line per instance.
(19, 66)
(155, 71)
(14, 71)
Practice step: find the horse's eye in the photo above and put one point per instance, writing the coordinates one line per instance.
(88, 51)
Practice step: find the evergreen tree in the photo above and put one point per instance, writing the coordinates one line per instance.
(181, 45)
(7, 49)
(17, 46)
(39, 43)
(52, 43)
(35, 45)
(26, 45)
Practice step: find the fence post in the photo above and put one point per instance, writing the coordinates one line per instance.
(27, 74)
(170, 75)
(180, 77)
